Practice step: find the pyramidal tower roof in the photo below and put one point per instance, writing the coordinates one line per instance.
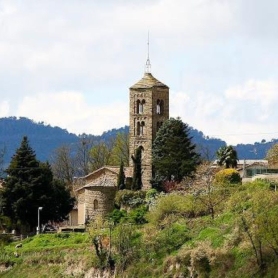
(148, 81)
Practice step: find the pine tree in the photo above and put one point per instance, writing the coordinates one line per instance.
(121, 177)
(137, 169)
(30, 185)
(174, 155)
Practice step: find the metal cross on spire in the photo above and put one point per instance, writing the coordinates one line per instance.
(148, 62)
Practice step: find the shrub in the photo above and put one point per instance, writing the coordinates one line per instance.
(172, 206)
(151, 193)
(126, 241)
(117, 215)
(130, 198)
(5, 239)
(172, 238)
(227, 176)
(137, 215)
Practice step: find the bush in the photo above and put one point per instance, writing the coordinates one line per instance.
(126, 240)
(227, 176)
(117, 215)
(164, 242)
(172, 206)
(5, 239)
(130, 198)
(137, 216)
(151, 193)
(172, 238)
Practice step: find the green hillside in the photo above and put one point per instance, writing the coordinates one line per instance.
(163, 235)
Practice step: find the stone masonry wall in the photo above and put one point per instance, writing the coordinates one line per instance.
(151, 118)
(105, 201)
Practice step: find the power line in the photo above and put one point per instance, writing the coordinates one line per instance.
(244, 134)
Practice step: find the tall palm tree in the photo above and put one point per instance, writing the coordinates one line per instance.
(227, 155)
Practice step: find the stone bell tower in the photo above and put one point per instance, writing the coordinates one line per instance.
(148, 109)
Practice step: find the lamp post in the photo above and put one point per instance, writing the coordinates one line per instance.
(38, 228)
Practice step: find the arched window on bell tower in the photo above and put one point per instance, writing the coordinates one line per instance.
(143, 105)
(142, 127)
(137, 106)
(140, 106)
(159, 106)
(138, 128)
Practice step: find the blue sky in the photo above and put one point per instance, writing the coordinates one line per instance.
(71, 63)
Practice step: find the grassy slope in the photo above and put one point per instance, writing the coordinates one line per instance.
(50, 255)
(172, 246)
(72, 255)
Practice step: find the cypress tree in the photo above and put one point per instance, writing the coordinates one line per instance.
(137, 169)
(121, 177)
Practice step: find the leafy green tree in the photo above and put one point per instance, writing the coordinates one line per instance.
(62, 200)
(63, 164)
(121, 177)
(256, 205)
(137, 171)
(272, 156)
(211, 195)
(100, 155)
(30, 185)
(120, 150)
(174, 155)
(227, 156)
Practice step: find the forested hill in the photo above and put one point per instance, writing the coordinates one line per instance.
(209, 146)
(44, 139)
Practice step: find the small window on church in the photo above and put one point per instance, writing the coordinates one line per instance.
(95, 204)
(137, 106)
(138, 128)
(142, 128)
(158, 107)
(140, 108)
(143, 105)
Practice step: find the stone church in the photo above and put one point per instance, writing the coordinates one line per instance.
(148, 109)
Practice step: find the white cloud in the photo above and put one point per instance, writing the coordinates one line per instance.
(83, 56)
(255, 90)
(242, 114)
(4, 108)
(69, 110)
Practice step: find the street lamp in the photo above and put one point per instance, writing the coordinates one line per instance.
(38, 228)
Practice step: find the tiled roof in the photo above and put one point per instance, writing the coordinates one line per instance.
(148, 81)
(102, 182)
